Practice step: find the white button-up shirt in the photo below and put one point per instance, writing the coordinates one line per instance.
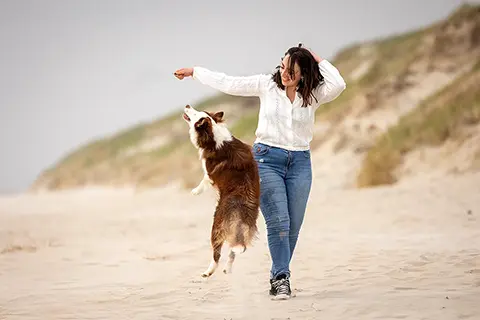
(281, 123)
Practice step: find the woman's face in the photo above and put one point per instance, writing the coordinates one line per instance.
(287, 80)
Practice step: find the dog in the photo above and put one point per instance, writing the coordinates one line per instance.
(229, 166)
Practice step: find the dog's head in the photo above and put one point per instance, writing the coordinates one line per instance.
(207, 129)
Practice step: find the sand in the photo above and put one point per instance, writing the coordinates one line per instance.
(411, 251)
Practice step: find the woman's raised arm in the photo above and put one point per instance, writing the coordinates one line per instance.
(253, 85)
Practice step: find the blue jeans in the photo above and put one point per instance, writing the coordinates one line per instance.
(285, 182)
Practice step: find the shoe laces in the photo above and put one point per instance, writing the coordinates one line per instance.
(282, 286)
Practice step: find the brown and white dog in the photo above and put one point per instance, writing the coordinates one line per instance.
(229, 167)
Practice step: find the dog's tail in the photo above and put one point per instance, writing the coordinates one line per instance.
(239, 245)
(238, 249)
(243, 236)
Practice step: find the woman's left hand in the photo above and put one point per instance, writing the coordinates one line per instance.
(317, 58)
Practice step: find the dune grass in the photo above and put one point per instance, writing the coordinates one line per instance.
(245, 127)
(392, 56)
(334, 110)
(104, 160)
(108, 149)
(438, 118)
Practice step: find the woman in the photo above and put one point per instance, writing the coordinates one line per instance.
(288, 101)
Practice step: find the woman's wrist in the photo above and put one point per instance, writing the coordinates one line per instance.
(317, 58)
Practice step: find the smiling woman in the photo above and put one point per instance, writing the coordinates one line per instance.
(299, 72)
(288, 101)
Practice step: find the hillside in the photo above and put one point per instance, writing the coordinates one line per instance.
(409, 99)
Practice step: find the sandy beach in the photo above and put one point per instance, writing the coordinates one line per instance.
(411, 251)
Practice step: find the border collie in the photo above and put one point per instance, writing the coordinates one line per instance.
(228, 166)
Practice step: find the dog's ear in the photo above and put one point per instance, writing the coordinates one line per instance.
(218, 116)
(201, 123)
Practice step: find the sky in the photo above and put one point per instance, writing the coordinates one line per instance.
(78, 70)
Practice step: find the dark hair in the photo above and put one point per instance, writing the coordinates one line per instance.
(311, 76)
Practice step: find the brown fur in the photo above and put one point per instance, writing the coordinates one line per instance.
(234, 173)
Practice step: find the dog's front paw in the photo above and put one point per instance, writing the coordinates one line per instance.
(196, 191)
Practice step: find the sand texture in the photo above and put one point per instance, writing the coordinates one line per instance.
(411, 251)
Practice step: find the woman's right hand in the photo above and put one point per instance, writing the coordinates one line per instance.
(184, 72)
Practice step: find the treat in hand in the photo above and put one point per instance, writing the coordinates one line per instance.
(183, 73)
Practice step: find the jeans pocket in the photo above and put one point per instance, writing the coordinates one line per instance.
(260, 149)
(307, 154)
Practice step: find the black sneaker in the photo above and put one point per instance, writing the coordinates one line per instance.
(280, 288)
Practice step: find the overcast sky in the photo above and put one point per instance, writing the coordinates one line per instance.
(72, 71)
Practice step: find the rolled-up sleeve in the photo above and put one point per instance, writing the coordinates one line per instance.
(333, 85)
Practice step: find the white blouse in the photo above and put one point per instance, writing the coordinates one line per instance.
(281, 123)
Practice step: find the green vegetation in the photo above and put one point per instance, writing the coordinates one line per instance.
(123, 159)
(163, 151)
(393, 56)
(390, 57)
(440, 117)
(335, 109)
(246, 126)
(129, 157)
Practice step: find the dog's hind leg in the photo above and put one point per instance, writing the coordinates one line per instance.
(214, 263)
(229, 263)
(217, 239)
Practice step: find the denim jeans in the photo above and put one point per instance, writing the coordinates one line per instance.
(285, 182)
